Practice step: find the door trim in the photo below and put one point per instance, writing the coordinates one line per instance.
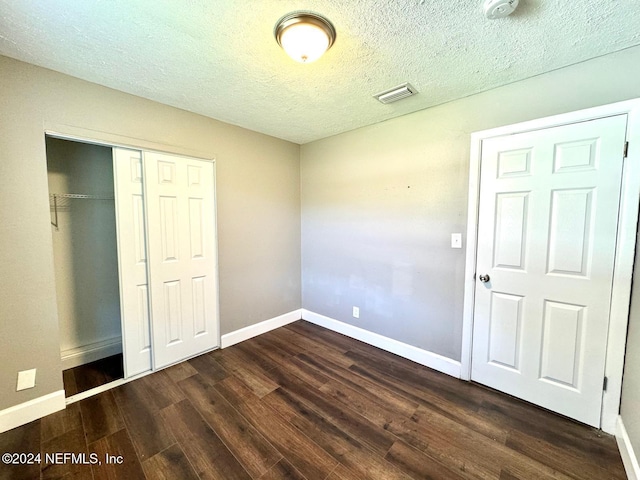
(625, 242)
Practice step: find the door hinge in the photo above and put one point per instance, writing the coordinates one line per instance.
(626, 149)
(604, 384)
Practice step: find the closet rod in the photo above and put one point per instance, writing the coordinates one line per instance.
(81, 195)
(55, 197)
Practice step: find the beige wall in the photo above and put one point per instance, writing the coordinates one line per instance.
(257, 193)
(379, 203)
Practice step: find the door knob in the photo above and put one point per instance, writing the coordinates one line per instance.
(484, 278)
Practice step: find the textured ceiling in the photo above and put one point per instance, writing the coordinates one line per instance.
(219, 58)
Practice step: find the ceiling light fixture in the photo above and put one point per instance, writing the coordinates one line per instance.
(305, 36)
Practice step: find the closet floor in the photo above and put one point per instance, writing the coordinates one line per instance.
(85, 377)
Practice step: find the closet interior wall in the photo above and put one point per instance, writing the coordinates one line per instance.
(85, 251)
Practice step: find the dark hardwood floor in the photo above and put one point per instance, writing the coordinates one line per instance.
(302, 402)
(90, 375)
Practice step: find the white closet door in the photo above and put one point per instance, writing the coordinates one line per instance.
(132, 261)
(180, 202)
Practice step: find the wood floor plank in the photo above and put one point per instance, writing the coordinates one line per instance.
(321, 336)
(139, 406)
(417, 465)
(564, 434)
(565, 460)
(422, 382)
(306, 456)
(295, 366)
(23, 439)
(257, 382)
(353, 456)
(235, 391)
(69, 382)
(245, 369)
(341, 415)
(210, 457)
(289, 334)
(275, 338)
(505, 475)
(465, 450)
(349, 451)
(283, 470)
(112, 367)
(408, 391)
(253, 451)
(264, 348)
(61, 422)
(460, 408)
(470, 419)
(89, 376)
(117, 445)
(100, 416)
(169, 464)
(343, 473)
(97, 373)
(180, 371)
(208, 368)
(162, 390)
(362, 403)
(252, 358)
(71, 442)
(388, 398)
(303, 371)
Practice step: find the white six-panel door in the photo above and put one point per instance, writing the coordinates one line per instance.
(546, 240)
(132, 260)
(182, 256)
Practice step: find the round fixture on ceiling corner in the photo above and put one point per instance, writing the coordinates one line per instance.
(494, 9)
(305, 36)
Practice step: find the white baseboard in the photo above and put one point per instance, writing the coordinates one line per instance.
(90, 353)
(629, 458)
(415, 354)
(26, 412)
(259, 328)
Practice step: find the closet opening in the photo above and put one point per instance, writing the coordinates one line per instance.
(83, 224)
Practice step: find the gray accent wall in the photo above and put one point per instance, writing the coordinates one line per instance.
(258, 201)
(379, 204)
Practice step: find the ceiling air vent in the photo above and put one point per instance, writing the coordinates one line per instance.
(396, 93)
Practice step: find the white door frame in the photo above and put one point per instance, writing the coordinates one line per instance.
(625, 243)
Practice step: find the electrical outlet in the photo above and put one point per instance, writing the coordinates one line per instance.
(26, 379)
(356, 312)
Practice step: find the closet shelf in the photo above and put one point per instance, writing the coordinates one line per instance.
(62, 202)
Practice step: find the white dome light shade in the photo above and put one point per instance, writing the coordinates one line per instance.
(304, 42)
(304, 36)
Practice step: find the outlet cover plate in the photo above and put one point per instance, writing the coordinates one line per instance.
(26, 379)
(356, 312)
(456, 240)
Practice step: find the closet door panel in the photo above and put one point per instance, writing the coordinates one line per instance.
(182, 256)
(132, 260)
